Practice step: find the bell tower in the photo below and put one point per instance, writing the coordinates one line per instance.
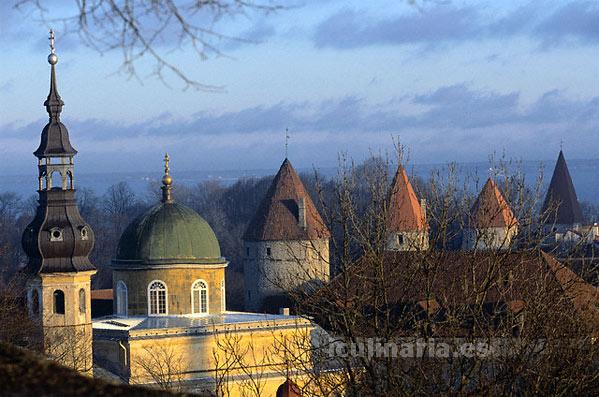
(57, 243)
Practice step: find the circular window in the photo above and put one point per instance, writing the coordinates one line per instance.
(55, 234)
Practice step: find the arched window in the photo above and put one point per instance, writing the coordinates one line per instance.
(34, 302)
(199, 297)
(58, 302)
(157, 303)
(223, 296)
(55, 180)
(82, 301)
(121, 299)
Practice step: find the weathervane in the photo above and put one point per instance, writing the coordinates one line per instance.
(52, 58)
(166, 164)
(51, 38)
(286, 141)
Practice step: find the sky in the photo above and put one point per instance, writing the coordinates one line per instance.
(452, 80)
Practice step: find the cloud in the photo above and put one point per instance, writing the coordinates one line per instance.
(351, 29)
(453, 122)
(577, 21)
(549, 25)
(259, 33)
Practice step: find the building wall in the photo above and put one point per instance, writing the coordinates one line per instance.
(211, 359)
(408, 241)
(66, 337)
(178, 281)
(273, 267)
(489, 238)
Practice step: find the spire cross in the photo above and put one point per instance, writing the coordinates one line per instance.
(286, 141)
(561, 144)
(166, 163)
(51, 38)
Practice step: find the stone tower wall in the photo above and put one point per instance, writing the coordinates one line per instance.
(66, 337)
(408, 241)
(273, 267)
(489, 238)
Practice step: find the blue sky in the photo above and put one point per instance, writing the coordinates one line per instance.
(455, 80)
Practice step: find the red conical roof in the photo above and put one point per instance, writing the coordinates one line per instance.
(404, 212)
(490, 209)
(561, 204)
(278, 218)
(288, 389)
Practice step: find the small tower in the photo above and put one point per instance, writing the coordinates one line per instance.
(492, 223)
(561, 209)
(286, 244)
(406, 216)
(57, 243)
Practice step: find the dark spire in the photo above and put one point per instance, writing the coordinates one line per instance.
(55, 137)
(53, 103)
(58, 239)
(561, 204)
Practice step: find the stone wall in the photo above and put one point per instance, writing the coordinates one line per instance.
(489, 238)
(178, 281)
(408, 241)
(273, 267)
(67, 336)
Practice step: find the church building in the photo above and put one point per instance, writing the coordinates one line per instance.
(171, 326)
(58, 243)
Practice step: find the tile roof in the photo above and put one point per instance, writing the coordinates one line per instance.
(490, 209)
(404, 212)
(561, 204)
(450, 280)
(278, 215)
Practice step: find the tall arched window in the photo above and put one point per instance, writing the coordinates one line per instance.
(157, 303)
(81, 301)
(58, 302)
(199, 297)
(223, 296)
(121, 299)
(34, 302)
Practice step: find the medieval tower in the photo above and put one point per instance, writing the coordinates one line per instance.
(492, 223)
(286, 244)
(561, 210)
(57, 243)
(406, 224)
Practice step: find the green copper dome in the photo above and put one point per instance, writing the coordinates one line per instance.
(169, 233)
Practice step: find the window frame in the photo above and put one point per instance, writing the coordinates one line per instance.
(55, 305)
(82, 301)
(120, 288)
(199, 290)
(157, 291)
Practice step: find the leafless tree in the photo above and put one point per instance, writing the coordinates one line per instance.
(161, 365)
(152, 30)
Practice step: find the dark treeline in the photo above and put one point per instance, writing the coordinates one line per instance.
(228, 209)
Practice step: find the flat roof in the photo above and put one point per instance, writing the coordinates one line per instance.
(204, 322)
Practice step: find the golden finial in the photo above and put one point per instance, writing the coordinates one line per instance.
(167, 181)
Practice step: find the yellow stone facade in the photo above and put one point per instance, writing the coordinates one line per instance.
(66, 327)
(179, 281)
